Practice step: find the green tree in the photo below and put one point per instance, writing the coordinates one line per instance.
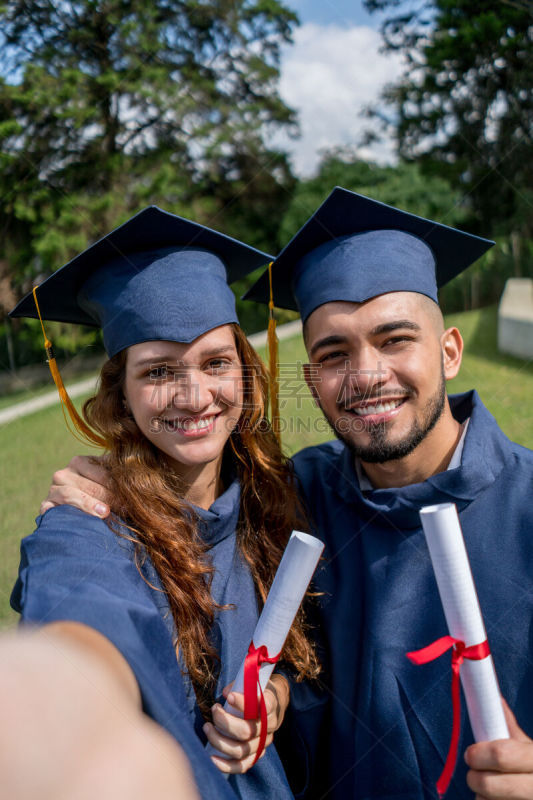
(108, 105)
(464, 107)
(402, 185)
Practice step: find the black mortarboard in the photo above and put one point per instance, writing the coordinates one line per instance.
(354, 248)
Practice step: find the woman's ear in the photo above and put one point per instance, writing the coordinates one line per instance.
(452, 352)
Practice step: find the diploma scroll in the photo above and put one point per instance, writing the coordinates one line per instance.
(288, 588)
(463, 616)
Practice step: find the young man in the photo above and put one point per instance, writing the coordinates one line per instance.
(364, 277)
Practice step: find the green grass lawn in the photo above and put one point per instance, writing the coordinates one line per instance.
(505, 384)
(34, 446)
(302, 423)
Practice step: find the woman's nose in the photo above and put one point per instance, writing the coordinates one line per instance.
(193, 392)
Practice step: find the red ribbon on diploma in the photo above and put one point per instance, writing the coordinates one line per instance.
(252, 663)
(475, 653)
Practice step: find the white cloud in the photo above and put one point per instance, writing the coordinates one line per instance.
(328, 76)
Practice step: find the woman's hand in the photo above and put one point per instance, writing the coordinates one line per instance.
(238, 738)
(504, 768)
(82, 484)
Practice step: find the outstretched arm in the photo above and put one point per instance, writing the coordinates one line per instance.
(72, 725)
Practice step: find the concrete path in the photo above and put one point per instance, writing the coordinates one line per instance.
(84, 387)
(45, 400)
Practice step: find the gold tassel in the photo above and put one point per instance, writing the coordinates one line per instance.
(272, 341)
(81, 431)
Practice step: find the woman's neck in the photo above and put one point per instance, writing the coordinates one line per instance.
(203, 483)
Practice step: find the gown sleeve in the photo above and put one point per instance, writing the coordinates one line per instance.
(73, 567)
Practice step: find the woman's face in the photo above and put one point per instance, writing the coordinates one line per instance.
(186, 398)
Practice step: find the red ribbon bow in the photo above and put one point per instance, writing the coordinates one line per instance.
(252, 663)
(475, 652)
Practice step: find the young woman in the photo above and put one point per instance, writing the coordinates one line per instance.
(202, 499)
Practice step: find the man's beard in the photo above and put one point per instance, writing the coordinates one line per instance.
(379, 450)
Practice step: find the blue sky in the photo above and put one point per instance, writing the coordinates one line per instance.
(333, 70)
(329, 75)
(328, 12)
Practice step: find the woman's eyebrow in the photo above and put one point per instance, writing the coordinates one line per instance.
(148, 362)
(170, 358)
(217, 351)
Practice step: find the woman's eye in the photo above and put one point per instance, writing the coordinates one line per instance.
(158, 373)
(218, 364)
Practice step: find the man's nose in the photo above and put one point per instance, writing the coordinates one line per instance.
(364, 373)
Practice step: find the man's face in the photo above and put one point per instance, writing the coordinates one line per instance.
(378, 371)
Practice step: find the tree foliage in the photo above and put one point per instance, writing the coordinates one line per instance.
(464, 107)
(402, 185)
(109, 105)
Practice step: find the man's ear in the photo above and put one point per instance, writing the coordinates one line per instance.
(308, 375)
(452, 346)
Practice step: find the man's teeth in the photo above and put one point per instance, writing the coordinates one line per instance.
(380, 408)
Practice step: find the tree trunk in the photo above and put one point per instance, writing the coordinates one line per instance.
(516, 250)
(10, 348)
(475, 294)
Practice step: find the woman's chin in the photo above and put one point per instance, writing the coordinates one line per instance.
(196, 454)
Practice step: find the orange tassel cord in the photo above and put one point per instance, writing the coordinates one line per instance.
(272, 342)
(81, 430)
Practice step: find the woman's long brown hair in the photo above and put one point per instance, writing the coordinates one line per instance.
(148, 498)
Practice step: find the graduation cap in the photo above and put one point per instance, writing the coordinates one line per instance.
(156, 277)
(354, 248)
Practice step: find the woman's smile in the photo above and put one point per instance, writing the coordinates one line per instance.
(190, 426)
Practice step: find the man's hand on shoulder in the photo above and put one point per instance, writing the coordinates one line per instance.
(83, 483)
(504, 768)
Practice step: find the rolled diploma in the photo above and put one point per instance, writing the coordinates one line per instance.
(463, 616)
(288, 588)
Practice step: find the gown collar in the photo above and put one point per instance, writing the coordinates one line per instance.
(486, 449)
(220, 520)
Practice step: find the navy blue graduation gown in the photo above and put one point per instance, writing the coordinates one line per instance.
(73, 567)
(379, 726)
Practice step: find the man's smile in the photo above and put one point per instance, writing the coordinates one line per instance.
(375, 407)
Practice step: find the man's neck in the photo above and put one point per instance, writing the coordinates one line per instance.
(432, 455)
